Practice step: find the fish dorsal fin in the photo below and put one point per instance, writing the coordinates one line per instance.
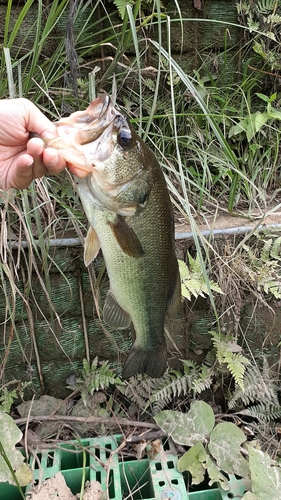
(126, 237)
(113, 314)
(91, 246)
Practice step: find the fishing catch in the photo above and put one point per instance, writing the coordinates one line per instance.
(127, 203)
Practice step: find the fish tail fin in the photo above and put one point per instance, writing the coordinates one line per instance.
(142, 360)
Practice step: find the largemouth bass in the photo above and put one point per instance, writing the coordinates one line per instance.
(127, 203)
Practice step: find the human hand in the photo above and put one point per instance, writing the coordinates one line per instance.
(23, 159)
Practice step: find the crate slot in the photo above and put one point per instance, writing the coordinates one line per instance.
(136, 481)
(170, 464)
(74, 477)
(72, 455)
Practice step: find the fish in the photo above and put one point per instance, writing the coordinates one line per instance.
(127, 203)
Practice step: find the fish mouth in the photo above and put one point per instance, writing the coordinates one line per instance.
(90, 124)
(100, 113)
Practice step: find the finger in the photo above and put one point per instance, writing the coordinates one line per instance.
(21, 175)
(52, 161)
(35, 149)
(36, 121)
(35, 146)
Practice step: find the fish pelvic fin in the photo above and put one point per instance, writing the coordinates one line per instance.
(113, 314)
(126, 237)
(150, 361)
(91, 246)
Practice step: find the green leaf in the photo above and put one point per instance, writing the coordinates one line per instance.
(188, 428)
(275, 114)
(259, 49)
(265, 475)
(190, 462)
(224, 446)
(10, 458)
(24, 474)
(196, 460)
(264, 97)
(214, 473)
(239, 127)
(259, 119)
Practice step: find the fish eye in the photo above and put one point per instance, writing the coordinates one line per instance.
(124, 138)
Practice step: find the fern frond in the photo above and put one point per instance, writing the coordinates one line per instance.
(265, 253)
(227, 354)
(159, 393)
(210, 358)
(265, 6)
(276, 246)
(156, 394)
(258, 386)
(236, 365)
(139, 390)
(193, 280)
(96, 377)
(252, 25)
(266, 412)
(172, 385)
(204, 381)
(121, 6)
(273, 19)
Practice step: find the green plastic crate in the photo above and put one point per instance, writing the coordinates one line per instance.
(133, 479)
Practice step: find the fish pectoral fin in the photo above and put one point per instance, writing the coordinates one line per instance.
(91, 246)
(113, 314)
(126, 237)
